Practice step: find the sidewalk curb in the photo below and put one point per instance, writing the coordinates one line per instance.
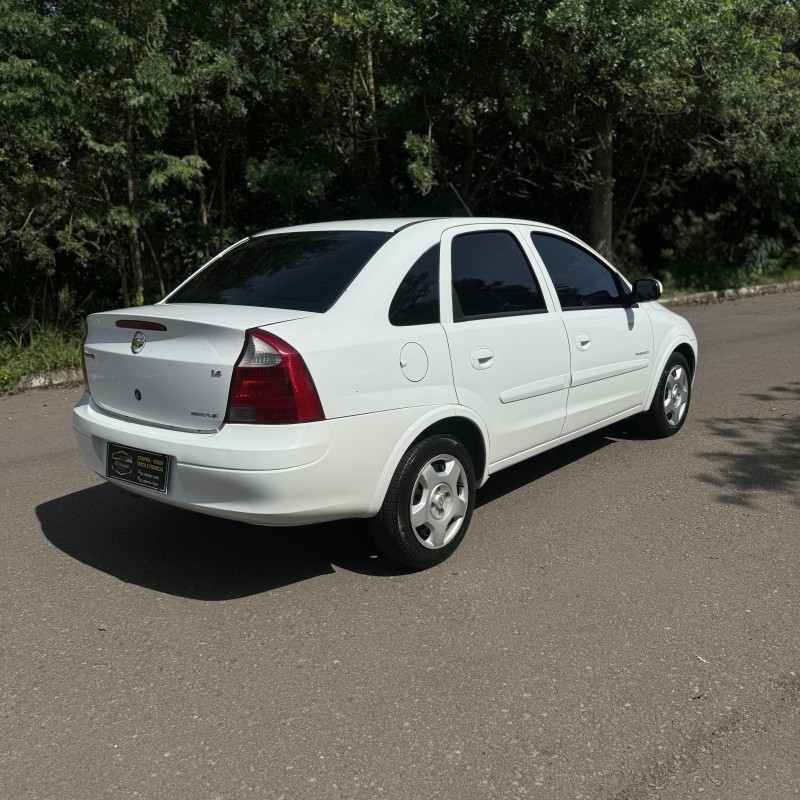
(61, 377)
(723, 295)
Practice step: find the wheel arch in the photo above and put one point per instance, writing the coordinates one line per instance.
(680, 344)
(457, 421)
(689, 354)
(468, 433)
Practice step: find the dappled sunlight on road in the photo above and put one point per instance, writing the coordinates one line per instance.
(759, 454)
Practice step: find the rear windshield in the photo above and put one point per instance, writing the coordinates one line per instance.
(300, 271)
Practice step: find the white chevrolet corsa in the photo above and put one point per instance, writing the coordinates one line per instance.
(375, 368)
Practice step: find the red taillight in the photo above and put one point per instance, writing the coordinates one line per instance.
(271, 384)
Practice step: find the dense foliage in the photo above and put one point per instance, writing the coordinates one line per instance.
(137, 137)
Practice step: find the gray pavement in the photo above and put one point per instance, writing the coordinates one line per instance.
(621, 621)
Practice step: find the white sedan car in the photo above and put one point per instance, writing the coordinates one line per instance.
(378, 368)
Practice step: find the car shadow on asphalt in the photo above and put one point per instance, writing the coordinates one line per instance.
(526, 472)
(196, 556)
(191, 555)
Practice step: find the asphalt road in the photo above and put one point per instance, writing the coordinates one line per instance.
(621, 621)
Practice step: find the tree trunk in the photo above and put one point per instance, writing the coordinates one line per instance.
(156, 263)
(133, 228)
(223, 165)
(603, 189)
(468, 170)
(201, 189)
(373, 106)
(353, 112)
(121, 266)
(202, 215)
(136, 264)
(226, 134)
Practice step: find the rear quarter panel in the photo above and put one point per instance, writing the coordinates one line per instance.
(353, 352)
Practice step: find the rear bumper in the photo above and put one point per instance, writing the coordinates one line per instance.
(265, 475)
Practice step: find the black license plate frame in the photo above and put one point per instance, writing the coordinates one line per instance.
(139, 467)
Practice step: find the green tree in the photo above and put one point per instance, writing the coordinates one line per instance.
(735, 192)
(126, 86)
(617, 64)
(139, 136)
(35, 109)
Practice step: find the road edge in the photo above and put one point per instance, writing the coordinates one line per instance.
(724, 295)
(72, 377)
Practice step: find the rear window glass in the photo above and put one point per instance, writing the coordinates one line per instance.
(300, 271)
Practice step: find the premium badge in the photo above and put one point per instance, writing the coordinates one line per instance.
(138, 342)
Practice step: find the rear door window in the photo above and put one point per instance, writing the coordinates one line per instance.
(492, 277)
(305, 271)
(416, 301)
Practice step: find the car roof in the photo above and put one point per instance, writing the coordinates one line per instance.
(395, 224)
(385, 224)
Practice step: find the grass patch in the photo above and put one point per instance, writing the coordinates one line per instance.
(31, 348)
(786, 276)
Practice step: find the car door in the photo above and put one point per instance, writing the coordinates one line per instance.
(508, 347)
(610, 342)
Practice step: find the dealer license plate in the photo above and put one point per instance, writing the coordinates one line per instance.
(140, 467)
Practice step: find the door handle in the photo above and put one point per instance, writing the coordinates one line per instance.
(583, 341)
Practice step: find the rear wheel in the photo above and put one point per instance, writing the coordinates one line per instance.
(670, 405)
(429, 504)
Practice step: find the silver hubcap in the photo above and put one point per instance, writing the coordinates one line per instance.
(676, 395)
(439, 501)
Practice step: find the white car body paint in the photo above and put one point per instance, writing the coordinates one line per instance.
(521, 396)
(526, 383)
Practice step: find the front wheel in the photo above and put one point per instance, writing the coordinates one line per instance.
(670, 405)
(429, 504)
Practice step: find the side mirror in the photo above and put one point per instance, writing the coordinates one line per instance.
(646, 289)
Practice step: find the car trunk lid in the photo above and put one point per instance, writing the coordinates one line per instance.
(171, 365)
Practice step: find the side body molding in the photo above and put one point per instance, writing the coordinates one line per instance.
(535, 389)
(585, 376)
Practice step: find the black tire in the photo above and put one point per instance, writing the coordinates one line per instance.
(670, 406)
(437, 475)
